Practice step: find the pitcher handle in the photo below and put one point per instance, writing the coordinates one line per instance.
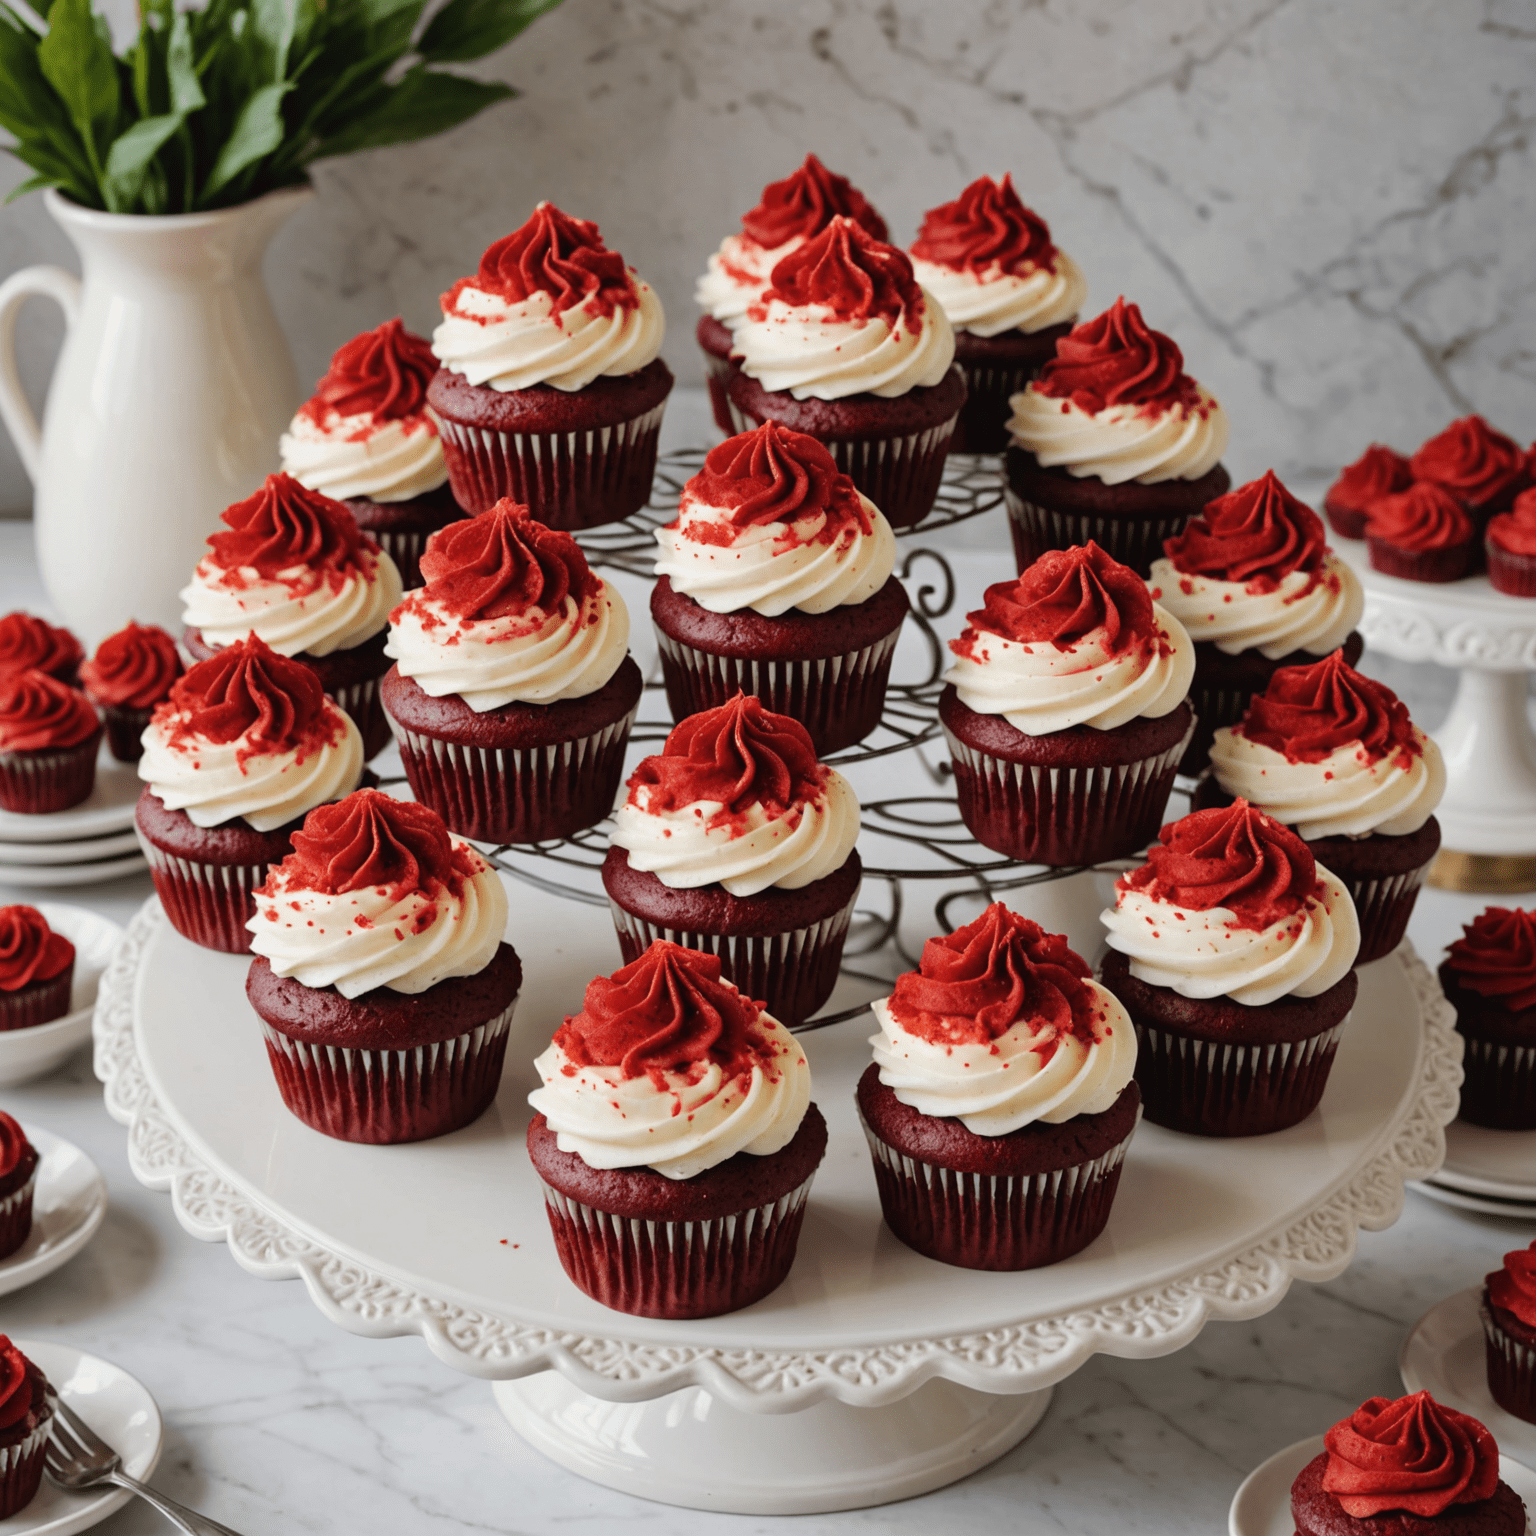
(15, 409)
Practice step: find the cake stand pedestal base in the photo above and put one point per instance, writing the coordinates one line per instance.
(690, 1448)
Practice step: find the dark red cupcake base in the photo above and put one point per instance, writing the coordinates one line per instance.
(1435, 565)
(1510, 573)
(996, 368)
(49, 779)
(1347, 522)
(715, 340)
(23, 1445)
(16, 1192)
(401, 528)
(1319, 1513)
(1510, 1355)
(1498, 1090)
(40, 1002)
(125, 729)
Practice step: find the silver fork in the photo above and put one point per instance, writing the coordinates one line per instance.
(77, 1458)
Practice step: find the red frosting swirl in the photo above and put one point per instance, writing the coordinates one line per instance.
(1234, 857)
(383, 373)
(804, 203)
(30, 951)
(1515, 531)
(502, 564)
(1478, 466)
(1378, 472)
(284, 525)
(1425, 516)
(668, 1011)
(976, 983)
(1118, 359)
(1514, 1286)
(14, 1146)
(1496, 957)
(38, 712)
(27, 641)
(1257, 534)
(555, 254)
(987, 226)
(1309, 712)
(1414, 1455)
(856, 276)
(16, 1371)
(133, 669)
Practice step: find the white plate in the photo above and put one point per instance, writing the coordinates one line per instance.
(26, 1054)
(55, 876)
(1443, 1355)
(1485, 1205)
(108, 808)
(119, 1408)
(83, 850)
(70, 1204)
(1485, 1162)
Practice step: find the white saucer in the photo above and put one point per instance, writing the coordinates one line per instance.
(1484, 1205)
(119, 1408)
(70, 1204)
(83, 850)
(1484, 1162)
(26, 1054)
(108, 808)
(56, 876)
(1443, 1355)
(1262, 1505)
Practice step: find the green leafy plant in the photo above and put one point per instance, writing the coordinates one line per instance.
(215, 106)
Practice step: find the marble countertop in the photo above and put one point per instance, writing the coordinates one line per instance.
(277, 1421)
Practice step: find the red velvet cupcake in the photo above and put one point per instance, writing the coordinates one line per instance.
(27, 641)
(1010, 295)
(551, 390)
(776, 580)
(1000, 1103)
(788, 214)
(676, 1140)
(49, 734)
(1481, 468)
(131, 672)
(1422, 534)
(27, 1406)
(1066, 711)
(1509, 1333)
(37, 969)
(1113, 442)
(1233, 950)
(1379, 471)
(1489, 976)
(18, 1183)
(846, 347)
(736, 841)
(513, 693)
(367, 439)
(384, 988)
(1510, 547)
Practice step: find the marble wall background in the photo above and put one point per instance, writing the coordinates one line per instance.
(1328, 203)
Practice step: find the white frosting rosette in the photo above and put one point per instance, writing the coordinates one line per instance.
(736, 275)
(1121, 442)
(355, 456)
(993, 301)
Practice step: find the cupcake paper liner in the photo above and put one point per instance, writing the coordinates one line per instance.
(405, 547)
(1135, 540)
(1434, 565)
(1215, 709)
(207, 903)
(34, 783)
(1499, 1088)
(125, 728)
(384, 1097)
(1511, 1369)
(1510, 572)
(16, 1217)
(1384, 906)
(361, 701)
(718, 372)
(984, 417)
(838, 699)
(677, 1269)
(40, 1003)
(21, 1464)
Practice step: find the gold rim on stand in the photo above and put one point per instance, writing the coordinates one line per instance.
(1485, 874)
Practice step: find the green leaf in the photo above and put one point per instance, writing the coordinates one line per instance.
(31, 110)
(80, 67)
(257, 132)
(470, 29)
(181, 73)
(32, 184)
(272, 22)
(130, 155)
(423, 103)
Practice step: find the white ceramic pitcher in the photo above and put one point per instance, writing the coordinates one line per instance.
(170, 393)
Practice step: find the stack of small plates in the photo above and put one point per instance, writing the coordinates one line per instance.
(89, 842)
(1489, 1171)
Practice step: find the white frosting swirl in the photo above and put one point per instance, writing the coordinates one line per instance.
(1346, 794)
(1029, 1073)
(215, 781)
(302, 611)
(1204, 954)
(736, 276)
(747, 853)
(363, 939)
(812, 354)
(1124, 442)
(678, 1126)
(992, 301)
(530, 658)
(347, 456)
(1038, 688)
(773, 567)
(1301, 613)
(508, 345)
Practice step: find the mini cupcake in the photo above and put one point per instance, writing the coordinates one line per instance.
(676, 1140)
(366, 438)
(18, 1183)
(1378, 472)
(1422, 534)
(27, 641)
(1333, 755)
(789, 213)
(845, 346)
(1010, 295)
(294, 571)
(1489, 977)
(37, 969)
(551, 390)
(1253, 581)
(1481, 468)
(1113, 442)
(384, 987)
(1066, 711)
(131, 672)
(1231, 935)
(776, 580)
(1407, 1468)
(736, 841)
(1000, 1103)
(512, 693)
(1510, 546)
(27, 1406)
(243, 749)
(1509, 1333)
(49, 734)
